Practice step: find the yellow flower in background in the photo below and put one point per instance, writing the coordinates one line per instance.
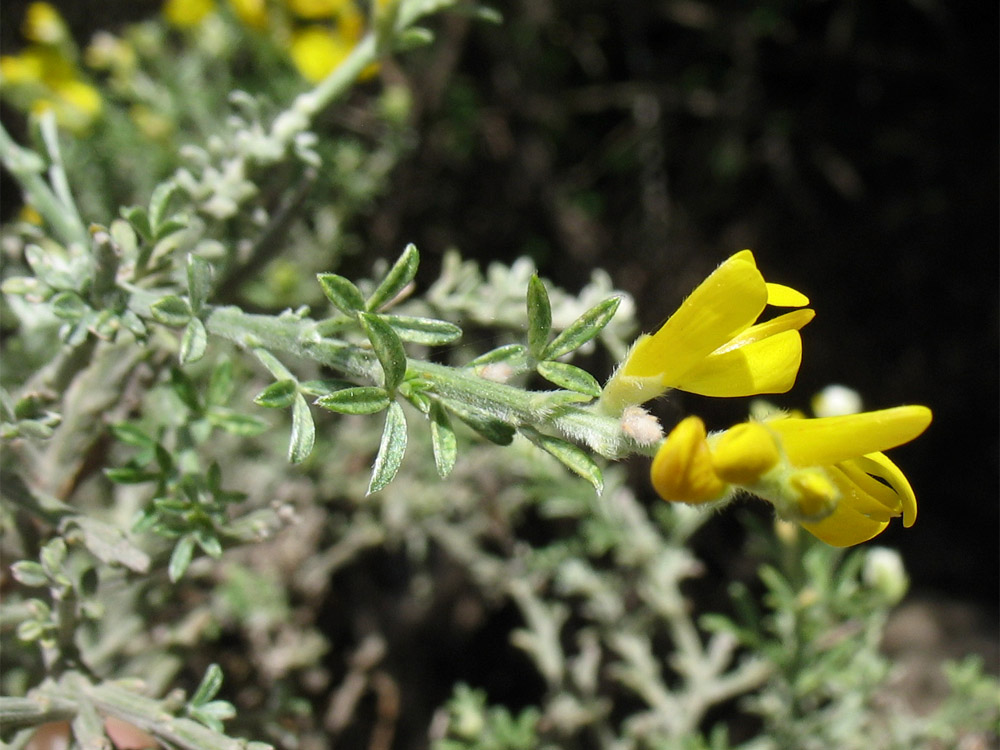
(713, 346)
(315, 9)
(830, 474)
(43, 77)
(317, 50)
(44, 25)
(184, 14)
(252, 13)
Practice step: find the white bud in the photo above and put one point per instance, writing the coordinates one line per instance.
(885, 573)
(836, 401)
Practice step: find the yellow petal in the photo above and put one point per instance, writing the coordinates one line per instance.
(793, 321)
(766, 366)
(682, 469)
(744, 452)
(316, 52)
(867, 496)
(830, 440)
(187, 13)
(780, 295)
(722, 306)
(845, 527)
(878, 464)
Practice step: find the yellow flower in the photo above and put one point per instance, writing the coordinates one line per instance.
(43, 24)
(317, 50)
(252, 13)
(41, 78)
(829, 474)
(713, 346)
(187, 13)
(316, 8)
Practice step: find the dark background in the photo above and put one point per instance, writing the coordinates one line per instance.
(852, 145)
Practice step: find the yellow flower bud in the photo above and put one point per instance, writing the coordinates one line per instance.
(682, 470)
(744, 453)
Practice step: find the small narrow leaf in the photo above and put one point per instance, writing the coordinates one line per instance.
(323, 387)
(194, 342)
(139, 219)
(171, 310)
(185, 390)
(573, 458)
(539, 316)
(401, 274)
(423, 330)
(388, 348)
(277, 395)
(341, 292)
(130, 475)
(390, 450)
(570, 377)
(443, 441)
(273, 365)
(303, 431)
(68, 306)
(500, 354)
(159, 201)
(234, 422)
(583, 329)
(209, 686)
(199, 278)
(360, 400)
(180, 558)
(29, 573)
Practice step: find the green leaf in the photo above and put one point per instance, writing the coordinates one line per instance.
(426, 331)
(180, 558)
(220, 384)
(53, 555)
(208, 542)
(443, 440)
(303, 431)
(401, 274)
(139, 219)
(570, 377)
(171, 310)
(323, 387)
(583, 329)
(69, 306)
(109, 544)
(175, 223)
(159, 201)
(199, 279)
(500, 354)
(484, 423)
(130, 475)
(209, 686)
(181, 385)
(234, 422)
(390, 450)
(413, 37)
(572, 457)
(194, 342)
(277, 395)
(539, 316)
(388, 348)
(273, 365)
(359, 400)
(29, 573)
(341, 292)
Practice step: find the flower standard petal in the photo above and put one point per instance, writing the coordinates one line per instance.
(722, 306)
(830, 440)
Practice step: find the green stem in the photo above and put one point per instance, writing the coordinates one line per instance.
(27, 166)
